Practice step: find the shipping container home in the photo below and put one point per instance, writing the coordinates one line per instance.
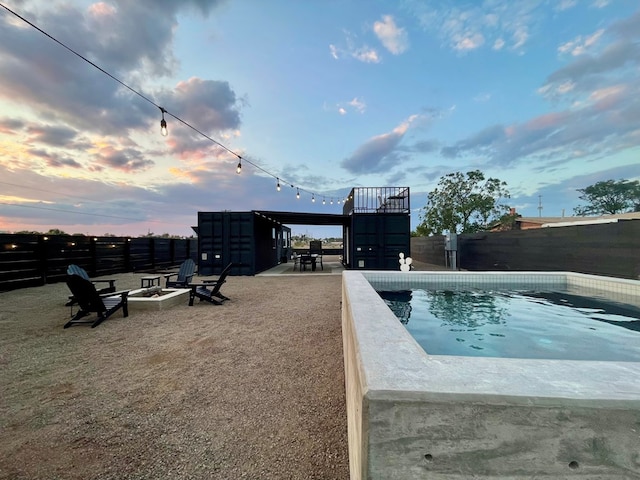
(379, 228)
(375, 224)
(254, 241)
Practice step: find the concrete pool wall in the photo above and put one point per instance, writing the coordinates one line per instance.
(413, 415)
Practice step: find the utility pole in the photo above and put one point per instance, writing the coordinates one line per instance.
(539, 205)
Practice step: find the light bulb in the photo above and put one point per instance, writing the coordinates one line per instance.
(298, 194)
(239, 167)
(313, 199)
(163, 124)
(278, 185)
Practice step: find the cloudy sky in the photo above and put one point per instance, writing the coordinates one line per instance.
(325, 95)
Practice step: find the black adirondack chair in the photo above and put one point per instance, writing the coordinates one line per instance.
(81, 272)
(184, 275)
(90, 301)
(209, 290)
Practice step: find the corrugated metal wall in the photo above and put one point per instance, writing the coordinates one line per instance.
(226, 237)
(378, 239)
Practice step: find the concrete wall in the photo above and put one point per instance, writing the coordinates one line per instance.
(413, 439)
(415, 416)
(354, 390)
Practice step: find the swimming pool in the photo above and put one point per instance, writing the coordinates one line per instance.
(414, 415)
(518, 323)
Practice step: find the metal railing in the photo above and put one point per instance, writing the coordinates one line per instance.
(377, 200)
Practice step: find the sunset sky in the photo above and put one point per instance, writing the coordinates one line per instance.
(325, 95)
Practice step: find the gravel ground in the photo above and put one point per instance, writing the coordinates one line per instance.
(251, 389)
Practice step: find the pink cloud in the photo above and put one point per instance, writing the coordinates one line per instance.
(549, 120)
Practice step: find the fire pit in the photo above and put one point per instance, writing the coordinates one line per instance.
(156, 298)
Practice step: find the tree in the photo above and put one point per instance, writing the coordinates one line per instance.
(56, 231)
(506, 222)
(463, 203)
(609, 197)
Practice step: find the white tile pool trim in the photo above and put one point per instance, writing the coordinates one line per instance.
(383, 363)
(480, 279)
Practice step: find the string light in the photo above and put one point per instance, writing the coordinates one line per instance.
(163, 122)
(324, 202)
(278, 185)
(313, 198)
(298, 194)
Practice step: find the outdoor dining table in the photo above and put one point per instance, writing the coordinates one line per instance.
(308, 258)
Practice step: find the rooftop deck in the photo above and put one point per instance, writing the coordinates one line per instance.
(377, 200)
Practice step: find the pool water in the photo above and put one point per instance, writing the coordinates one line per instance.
(518, 324)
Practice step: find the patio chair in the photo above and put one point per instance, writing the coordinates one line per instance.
(90, 301)
(81, 272)
(209, 290)
(315, 248)
(184, 275)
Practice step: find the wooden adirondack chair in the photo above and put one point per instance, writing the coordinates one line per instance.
(81, 272)
(90, 301)
(209, 290)
(184, 275)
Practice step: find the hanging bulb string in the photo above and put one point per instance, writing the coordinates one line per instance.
(239, 157)
(163, 122)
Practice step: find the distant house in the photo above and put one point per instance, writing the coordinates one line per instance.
(528, 223)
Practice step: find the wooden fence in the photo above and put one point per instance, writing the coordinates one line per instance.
(611, 249)
(428, 249)
(29, 260)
